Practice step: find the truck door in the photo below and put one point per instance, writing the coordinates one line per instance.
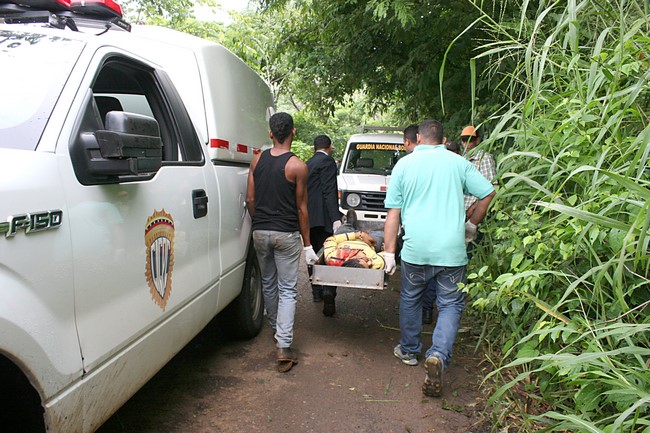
(140, 244)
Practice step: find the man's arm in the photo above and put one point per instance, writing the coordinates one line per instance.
(391, 228)
(368, 239)
(470, 210)
(481, 208)
(250, 189)
(297, 170)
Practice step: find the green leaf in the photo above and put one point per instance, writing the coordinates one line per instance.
(585, 216)
(516, 259)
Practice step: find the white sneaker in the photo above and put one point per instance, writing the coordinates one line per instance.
(407, 358)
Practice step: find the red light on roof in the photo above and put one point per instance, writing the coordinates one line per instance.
(97, 7)
(53, 5)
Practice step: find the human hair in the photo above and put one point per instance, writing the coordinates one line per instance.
(281, 125)
(430, 131)
(353, 263)
(453, 146)
(411, 133)
(322, 142)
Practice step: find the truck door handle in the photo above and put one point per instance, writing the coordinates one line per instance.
(199, 203)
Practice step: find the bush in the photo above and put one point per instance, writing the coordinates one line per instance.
(564, 284)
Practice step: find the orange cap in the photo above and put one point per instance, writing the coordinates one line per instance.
(469, 131)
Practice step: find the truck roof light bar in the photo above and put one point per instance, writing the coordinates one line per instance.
(37, 17)
(50, 5)
(100, 8)
(103, 14)
(97, 7)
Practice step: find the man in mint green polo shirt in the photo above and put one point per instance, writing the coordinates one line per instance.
(426, 191)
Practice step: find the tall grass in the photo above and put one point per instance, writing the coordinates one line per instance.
(564, 282)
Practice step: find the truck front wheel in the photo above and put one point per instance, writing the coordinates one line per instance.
(244, 316)
(21, 405)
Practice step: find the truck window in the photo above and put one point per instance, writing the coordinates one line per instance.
(373, 158)
(125, 85)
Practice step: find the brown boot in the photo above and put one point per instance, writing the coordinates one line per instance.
(286, 359)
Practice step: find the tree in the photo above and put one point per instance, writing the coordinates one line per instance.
(175, 10)
(256, 38)
(390, 51)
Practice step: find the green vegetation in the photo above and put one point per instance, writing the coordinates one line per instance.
(562, 89)
(564, 286)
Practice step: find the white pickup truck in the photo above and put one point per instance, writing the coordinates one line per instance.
(123, 227)
(364, 173)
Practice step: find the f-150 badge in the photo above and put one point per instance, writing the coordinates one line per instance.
(159, 239)
(32, 222)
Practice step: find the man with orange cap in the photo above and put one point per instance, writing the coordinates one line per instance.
(484, 163)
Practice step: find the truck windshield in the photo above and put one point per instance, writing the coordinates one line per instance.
(373, 158)
(34, 70)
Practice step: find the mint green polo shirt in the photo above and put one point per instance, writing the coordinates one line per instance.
(428, 186)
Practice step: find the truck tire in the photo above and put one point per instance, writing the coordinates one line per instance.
(243, 318)
(21, 404)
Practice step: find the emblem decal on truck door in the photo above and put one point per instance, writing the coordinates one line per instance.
(159, 239)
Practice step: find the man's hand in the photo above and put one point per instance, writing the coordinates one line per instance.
(389, 258)
(368, 239)
(470, 231)
(335, 226)
(310, 256)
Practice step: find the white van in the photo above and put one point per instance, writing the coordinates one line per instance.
(123, 226)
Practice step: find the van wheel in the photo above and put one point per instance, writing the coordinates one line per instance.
(244, 316)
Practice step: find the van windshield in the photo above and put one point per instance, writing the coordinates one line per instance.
(373, 158)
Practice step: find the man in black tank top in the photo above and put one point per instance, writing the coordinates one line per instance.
(277, 202)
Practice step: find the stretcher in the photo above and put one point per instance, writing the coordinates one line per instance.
(339, 276)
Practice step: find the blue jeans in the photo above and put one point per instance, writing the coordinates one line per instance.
(278, 254)
(450, 302)
(429, 296)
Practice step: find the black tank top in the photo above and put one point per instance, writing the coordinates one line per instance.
(275, 196)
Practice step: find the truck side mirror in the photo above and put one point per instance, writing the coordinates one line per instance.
(127, 149)
(132, 138)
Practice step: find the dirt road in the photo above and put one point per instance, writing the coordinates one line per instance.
(347, 379)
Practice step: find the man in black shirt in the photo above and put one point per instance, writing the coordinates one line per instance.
(322, 202)
(277, 202)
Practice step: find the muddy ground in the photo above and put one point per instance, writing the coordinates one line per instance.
(347, 379)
